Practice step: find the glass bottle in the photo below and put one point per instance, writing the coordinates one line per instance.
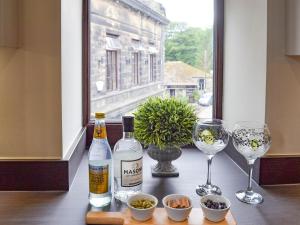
(128, 163)
(100, 165)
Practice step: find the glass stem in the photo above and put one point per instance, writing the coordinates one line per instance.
(209, 160)
(249, 188)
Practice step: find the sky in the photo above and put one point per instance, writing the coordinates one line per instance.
(196, 13)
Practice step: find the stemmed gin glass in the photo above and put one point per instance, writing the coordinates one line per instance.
(252, 140)
(211, 137)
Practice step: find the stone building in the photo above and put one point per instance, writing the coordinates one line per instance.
(183, 80)
(127, 54)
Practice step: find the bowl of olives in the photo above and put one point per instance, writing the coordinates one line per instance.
(142, 206)
(214, 207)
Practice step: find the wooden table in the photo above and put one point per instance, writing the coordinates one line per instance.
(281, 206)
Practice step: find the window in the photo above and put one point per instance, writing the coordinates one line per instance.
(135, 68)
(163, 61)
(111, 70)
(201, 84)
(152, 65)
(172, 92)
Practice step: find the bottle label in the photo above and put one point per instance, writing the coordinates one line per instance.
(98, 179)
(100, 130)
(131, 172)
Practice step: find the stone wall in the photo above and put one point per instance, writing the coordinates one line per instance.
(109, 17)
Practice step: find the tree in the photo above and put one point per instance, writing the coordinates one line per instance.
(174, 28)
(190, 45)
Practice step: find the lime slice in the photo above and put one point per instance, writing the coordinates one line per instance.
(207, 136)
(206, 132)
(254, 144)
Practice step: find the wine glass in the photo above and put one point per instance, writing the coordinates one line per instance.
(252, 140)
(211, 137)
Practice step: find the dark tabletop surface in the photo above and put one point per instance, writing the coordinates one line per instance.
(281, 205)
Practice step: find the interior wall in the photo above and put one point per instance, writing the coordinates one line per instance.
(292, 17)
(71, 50)
(283, 86)
(245, 53)
(30, 97)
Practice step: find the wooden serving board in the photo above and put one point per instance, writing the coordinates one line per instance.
(160, 217)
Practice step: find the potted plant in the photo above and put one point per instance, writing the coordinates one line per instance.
(164, 125)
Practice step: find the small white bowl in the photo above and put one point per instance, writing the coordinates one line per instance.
(174, 213)
(214, 215)
(142, 214)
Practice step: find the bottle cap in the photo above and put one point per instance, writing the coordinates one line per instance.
(128, 123)
(99, 115)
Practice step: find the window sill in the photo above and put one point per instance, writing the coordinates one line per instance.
(114, 93)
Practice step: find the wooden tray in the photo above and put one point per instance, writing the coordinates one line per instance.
(160, 217)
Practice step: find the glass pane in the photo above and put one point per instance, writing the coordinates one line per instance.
(164, 48)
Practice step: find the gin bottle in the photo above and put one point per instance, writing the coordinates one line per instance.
(128, 163)
(100, 165)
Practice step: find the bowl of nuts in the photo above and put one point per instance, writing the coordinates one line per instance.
(215, 207)
(178, 207)
(142, 206)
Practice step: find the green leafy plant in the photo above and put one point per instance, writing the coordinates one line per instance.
(164, 122)
(196, 95)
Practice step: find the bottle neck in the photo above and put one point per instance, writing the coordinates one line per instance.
(100, 129)
(127, 135)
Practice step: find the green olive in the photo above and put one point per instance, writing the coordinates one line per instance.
(142, 203)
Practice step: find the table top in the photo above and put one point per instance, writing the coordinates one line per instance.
(64, 208)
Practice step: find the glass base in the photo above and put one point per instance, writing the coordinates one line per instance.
(203, 190)
(123, 195)
(249, 197)
(100, 202)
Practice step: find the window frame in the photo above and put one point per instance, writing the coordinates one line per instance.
(152, 67)
(136, 67)
(112, 71)
(114, 128)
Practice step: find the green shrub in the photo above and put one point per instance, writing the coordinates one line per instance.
(164, 122)
(196, 95)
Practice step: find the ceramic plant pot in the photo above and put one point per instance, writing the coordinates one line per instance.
(164, 166)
